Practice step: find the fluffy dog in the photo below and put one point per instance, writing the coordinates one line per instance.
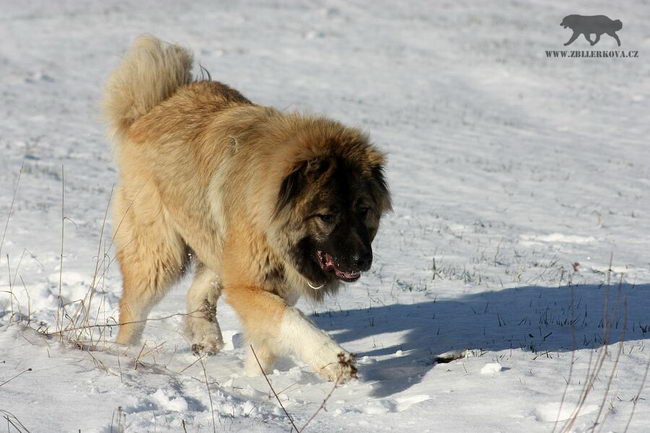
(586, 25)
(270, 205)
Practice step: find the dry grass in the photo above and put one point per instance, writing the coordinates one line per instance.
(207, 386)
(11, 207)
(13, 423)
(284, 409)
(596, 366)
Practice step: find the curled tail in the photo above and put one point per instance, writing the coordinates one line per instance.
(150, 72)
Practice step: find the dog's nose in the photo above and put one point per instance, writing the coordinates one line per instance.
(362, 260)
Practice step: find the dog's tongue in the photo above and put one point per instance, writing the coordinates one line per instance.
(348, 276)
(327, 262)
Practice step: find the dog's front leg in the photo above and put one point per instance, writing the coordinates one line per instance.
(273, 328)
(574, 36)
(615, 36)
(313, 346)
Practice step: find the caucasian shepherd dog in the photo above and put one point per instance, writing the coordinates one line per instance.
(270, 205)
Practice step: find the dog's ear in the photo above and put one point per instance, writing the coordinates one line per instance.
(302, 174)
(379, 178)
(380, 190)
(290, 189)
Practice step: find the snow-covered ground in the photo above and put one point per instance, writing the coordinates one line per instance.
(516, 179)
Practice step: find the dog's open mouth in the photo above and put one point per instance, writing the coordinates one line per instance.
(328, 264)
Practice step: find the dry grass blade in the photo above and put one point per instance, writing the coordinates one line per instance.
(190, 365)
(29, 301)
(573, 359)
(207, 385)
(592, 375)
(137, 358)
(11, 290)
(322, 405)
(277, 397)
(93, 284)
(18, 375)
(110, 325)
(82, 314)
(638, 396)
(120, 428)
(11, 208)
(615, 366)
(60, 312)
(13, 422)
(591, 378)
(293, 424)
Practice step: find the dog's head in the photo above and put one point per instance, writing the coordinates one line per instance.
(570, 21)
(330, 205)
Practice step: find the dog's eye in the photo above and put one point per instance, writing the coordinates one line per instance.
(326, 218)
(363, 211)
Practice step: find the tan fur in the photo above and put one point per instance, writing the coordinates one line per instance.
(150, 73)
(200, 170)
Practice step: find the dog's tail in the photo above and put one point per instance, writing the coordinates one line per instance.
(150, 72)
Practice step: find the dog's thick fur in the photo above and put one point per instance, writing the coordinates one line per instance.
(208, 175)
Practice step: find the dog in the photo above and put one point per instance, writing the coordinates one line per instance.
(586, 25)
(270, 206)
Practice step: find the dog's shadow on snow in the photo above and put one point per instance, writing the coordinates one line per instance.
(536, 319)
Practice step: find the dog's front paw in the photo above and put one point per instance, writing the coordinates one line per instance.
(208, 345)
(341, 370)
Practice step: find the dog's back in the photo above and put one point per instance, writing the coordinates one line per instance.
(591, 23)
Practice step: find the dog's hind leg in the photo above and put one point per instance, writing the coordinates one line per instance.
(574, 36)
(152, 256)
(202, 325)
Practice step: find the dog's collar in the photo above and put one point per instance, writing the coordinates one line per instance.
(315, 287)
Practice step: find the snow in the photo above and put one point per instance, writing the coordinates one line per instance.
(522, 217)
(491, 368)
